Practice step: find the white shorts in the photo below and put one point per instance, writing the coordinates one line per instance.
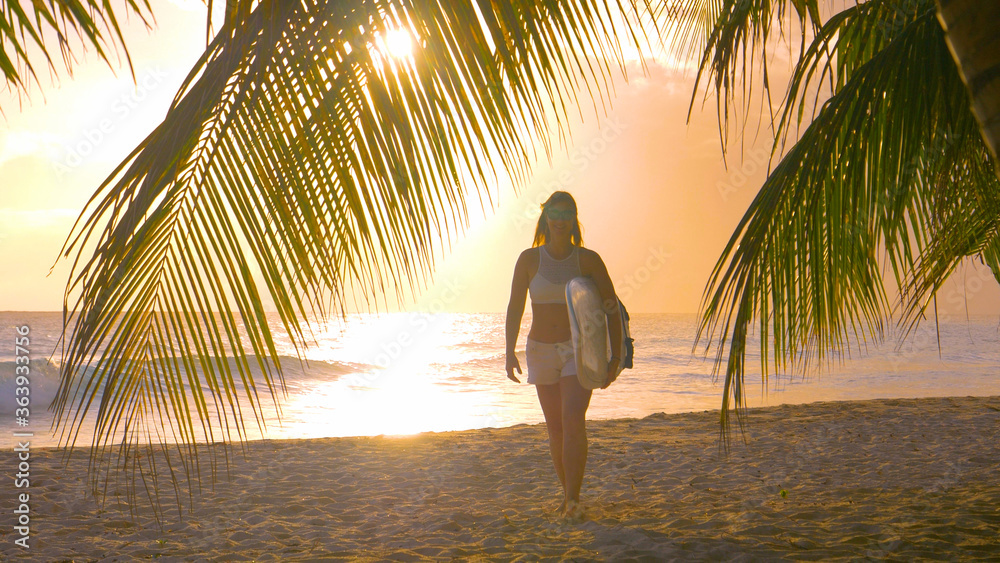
(547, 362)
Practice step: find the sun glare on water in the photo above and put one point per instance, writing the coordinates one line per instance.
(404, 390)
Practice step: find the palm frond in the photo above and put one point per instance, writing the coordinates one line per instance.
(734, 38)
(27, 35)
(865, 178)
(965, 223)
(298, 148)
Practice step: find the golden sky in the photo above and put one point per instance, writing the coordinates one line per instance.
(655, 198)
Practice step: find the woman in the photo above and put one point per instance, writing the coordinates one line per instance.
(543, 270)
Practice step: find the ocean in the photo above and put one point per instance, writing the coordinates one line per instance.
(403, 373)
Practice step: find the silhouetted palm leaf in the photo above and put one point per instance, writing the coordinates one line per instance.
(26, 34)
(733, 41)
(892, 165)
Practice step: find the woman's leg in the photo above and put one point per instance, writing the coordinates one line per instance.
(575, 400)
(549, 397)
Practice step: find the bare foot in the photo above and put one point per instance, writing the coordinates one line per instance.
(573, 511)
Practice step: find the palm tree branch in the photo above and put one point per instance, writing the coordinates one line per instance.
(803, 260)
(60, 19)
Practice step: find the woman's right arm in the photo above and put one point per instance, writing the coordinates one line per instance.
(515, 310)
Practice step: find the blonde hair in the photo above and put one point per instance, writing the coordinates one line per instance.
(542, 229)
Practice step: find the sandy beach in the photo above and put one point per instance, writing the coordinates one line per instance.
(899, 479)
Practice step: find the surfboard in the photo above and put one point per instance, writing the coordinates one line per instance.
(589, 326)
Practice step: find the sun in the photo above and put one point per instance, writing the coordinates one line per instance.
(396, 43)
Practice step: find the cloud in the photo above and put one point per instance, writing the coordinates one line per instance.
(15, 219)
(189, 5)
(15, 144)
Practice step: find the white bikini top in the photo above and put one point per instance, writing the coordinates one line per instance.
(549, 283)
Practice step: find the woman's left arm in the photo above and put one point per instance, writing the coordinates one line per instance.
(595, 268)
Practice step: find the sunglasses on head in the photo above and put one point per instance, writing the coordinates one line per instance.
(557, 215)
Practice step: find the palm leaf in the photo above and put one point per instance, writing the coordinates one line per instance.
(26, 35)
(966, 222)
(295, 147)
(735, 38)
(868, 177)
